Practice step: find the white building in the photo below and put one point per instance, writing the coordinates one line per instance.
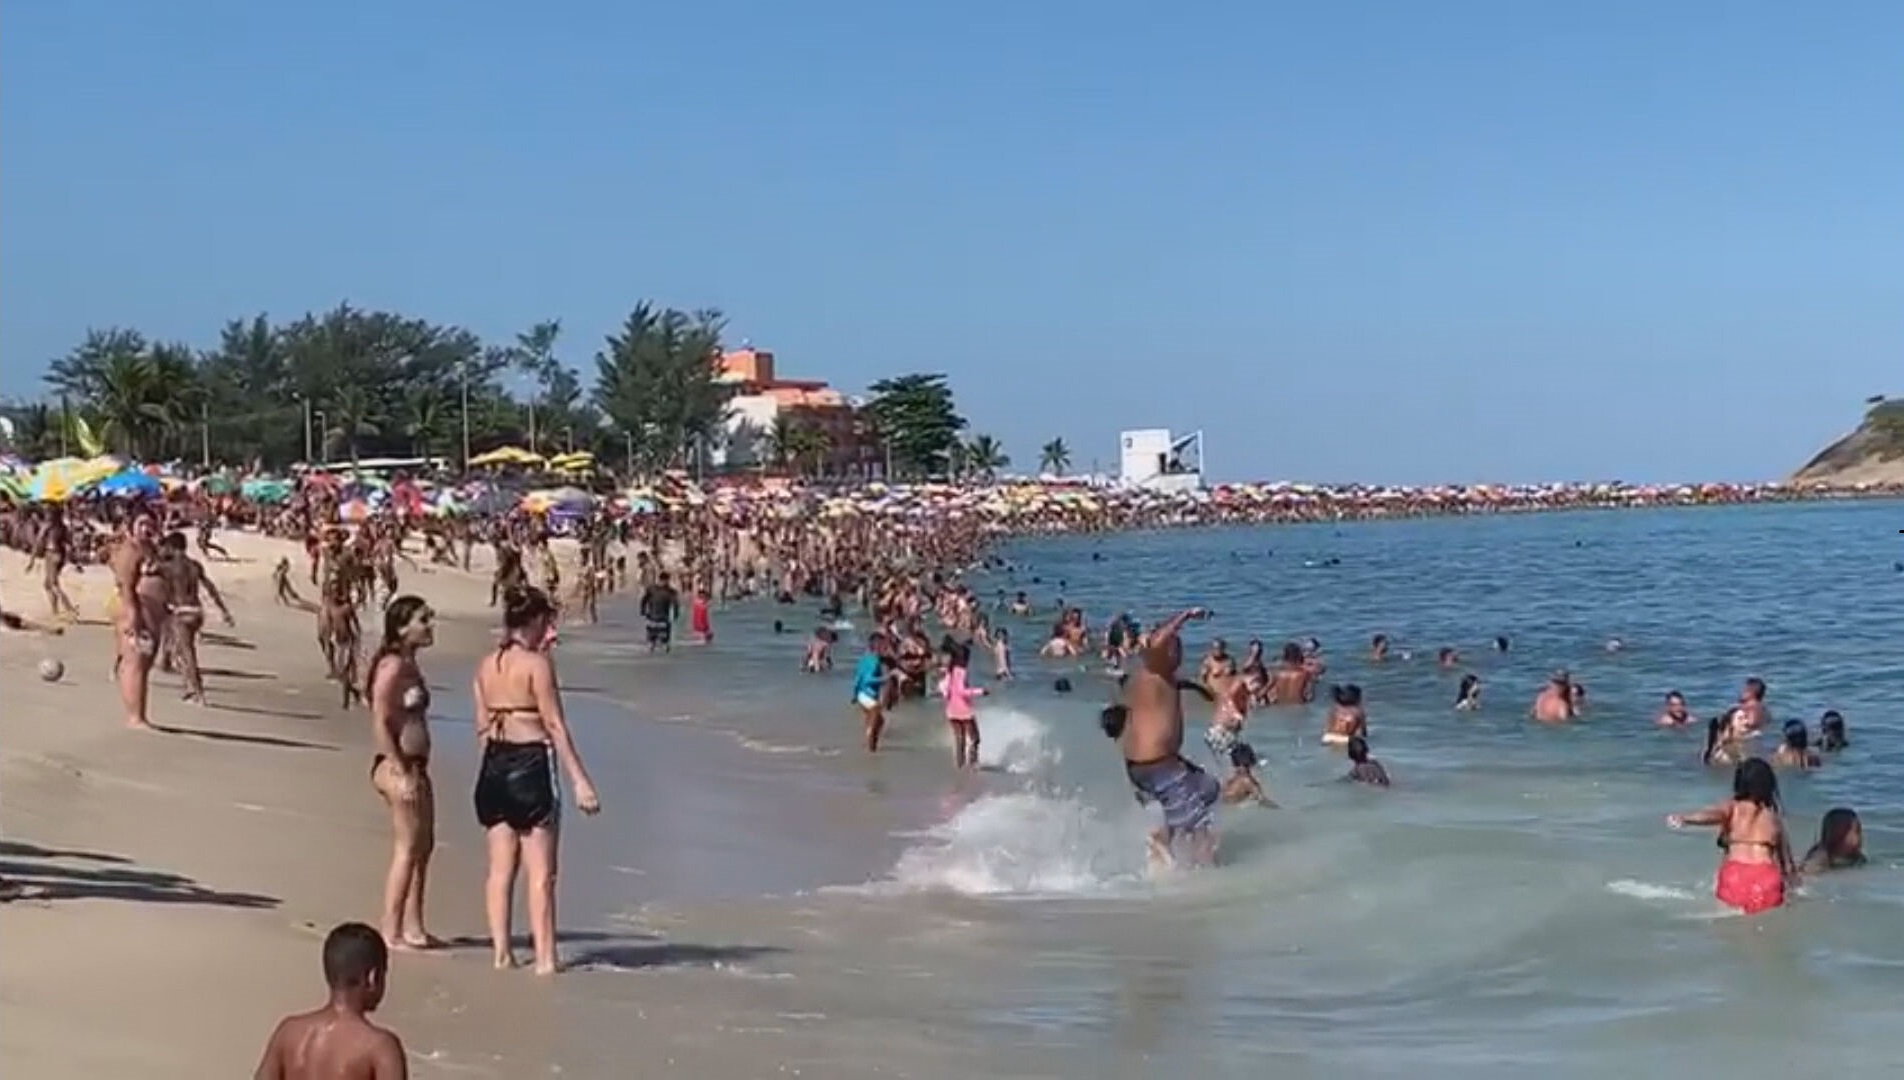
(1154, 458)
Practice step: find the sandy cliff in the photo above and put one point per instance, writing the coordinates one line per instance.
(1873, 454)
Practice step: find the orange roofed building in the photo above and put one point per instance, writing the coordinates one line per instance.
(762, 398)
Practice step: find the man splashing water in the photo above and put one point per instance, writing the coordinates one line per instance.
(1149, 730)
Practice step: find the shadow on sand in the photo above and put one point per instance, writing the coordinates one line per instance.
(246, 738)
(29, 872)
(626, 951)
(253, 710)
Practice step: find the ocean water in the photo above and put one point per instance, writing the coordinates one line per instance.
(1515, 903)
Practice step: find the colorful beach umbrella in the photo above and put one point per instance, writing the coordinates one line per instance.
(131, 484)
(56, 480)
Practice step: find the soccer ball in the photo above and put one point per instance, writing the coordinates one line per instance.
(52, 670)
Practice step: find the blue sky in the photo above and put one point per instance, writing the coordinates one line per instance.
(1360, 241)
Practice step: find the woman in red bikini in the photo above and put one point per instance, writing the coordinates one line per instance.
(1758, 858)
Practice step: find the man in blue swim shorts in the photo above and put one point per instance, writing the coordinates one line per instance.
(1151, 736)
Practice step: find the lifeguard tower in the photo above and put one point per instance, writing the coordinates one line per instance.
(1155, 459)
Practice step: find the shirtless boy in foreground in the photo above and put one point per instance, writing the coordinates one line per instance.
(337, 1041)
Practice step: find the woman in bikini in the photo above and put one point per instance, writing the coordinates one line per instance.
(523, 734)
(399, 724)
(143, 600)
(1758, 858)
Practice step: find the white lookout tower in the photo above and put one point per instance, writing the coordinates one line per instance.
(1154, 459)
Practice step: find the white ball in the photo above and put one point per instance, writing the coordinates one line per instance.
(413, 698)
(52, 670)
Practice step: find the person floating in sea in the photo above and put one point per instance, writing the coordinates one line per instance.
(1555, 702)
(1468, 697)
(1758, 858)
(1676, 714)
(337, 1039)
(1364, 769)
(1794, 750)
(1150, 733)
(1840, 843)
(819, 658)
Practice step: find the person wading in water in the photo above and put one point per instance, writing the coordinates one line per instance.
(1151, 737)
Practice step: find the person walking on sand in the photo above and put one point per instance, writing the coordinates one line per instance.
(186, 578)
(399, 700)
(337, 1039)
(523, 734)
(143, 600)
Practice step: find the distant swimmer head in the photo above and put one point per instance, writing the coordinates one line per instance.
(1831, 731)
(1311, 646)
(1292, 653)
(1716, 729)
(1614, 644)
(779, 627)
(1501, 643)
(1797, 736)
(1358, 749)
(1113, 719)
(1347, 695)
(1062, 685)
(1470, 691)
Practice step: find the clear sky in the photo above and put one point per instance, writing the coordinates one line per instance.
(1406, 242)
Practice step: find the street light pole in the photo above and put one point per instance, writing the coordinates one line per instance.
(205, 434)
(324, 441)
(463, 371)
(307, 431)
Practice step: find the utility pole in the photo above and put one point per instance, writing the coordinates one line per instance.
(307, 431)
(628, 437)
(463, 369)
(66, 422)
(324, 437)
(205, 434)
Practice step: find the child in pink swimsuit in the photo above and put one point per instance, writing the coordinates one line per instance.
(959, 695)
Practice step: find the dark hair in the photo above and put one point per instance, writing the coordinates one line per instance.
(173, 541)
(1715, 730)
(1113, 719)
(1378, 641)
(1832, 831)
(1469, 684)
(397, 617)
(1831, 731)
(1292, 653)
(524, 604)
(1756, 687)
(958, 654)
(1358, 749)
(1500, 643)
(1347, 695)
(352, 953)
(1755, 782)
(1796, 736)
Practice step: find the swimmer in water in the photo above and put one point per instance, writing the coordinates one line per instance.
(1831, 732)
(1468, 697)
(1794, 750)
(1347, 718)
(1378, 649)
(1758, 858)
(1364, 769)
(1225, 736)
(1292, 683)
(1675, 714)
(1447, 658)
(819, 656)
(1722, 745)
(1554, 704)
(1840, 843)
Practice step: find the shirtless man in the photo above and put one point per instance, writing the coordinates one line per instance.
(1554, 703)
(1294, 681)
(185, 577)
(1152, 741)
(1752, 716)
(337, 1040)
(143, 601)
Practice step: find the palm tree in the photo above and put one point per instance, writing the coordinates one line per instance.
(132, 413)
(984, 455)
(777, 442)
(1055, 457)
(809, 447)
(353, 415)
(426, 419)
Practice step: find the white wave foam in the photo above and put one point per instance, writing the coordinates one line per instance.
(1011, 740)
(1024, 844)
(1646, 890)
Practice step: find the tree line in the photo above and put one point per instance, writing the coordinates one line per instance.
(351, 383)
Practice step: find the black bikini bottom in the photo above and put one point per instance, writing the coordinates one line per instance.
(516, 786)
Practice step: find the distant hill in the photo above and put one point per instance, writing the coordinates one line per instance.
(1873, 454)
